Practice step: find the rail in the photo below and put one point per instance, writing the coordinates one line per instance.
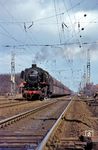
(14, 118)
(53, 129)
(11, 105)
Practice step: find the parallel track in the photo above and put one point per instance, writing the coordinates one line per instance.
(10, 120)
(13, 108)
(6, 105)
(27, 139)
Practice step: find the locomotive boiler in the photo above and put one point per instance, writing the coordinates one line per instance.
(39, 84)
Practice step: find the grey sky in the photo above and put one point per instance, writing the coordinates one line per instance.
(62, 29)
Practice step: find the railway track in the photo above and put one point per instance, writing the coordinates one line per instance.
(10, 109)
(39, 121)
(59, 139)
(12, 119)
(51, 133)
(11, 104)
(6, 101)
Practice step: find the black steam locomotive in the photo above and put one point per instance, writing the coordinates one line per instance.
(39, 84)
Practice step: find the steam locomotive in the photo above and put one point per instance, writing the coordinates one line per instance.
(39, 84)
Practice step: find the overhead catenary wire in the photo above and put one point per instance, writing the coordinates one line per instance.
(48, 45)
(9, 34)
(71, 23)
(50, 16)
(57, 20)
(76, 22)
(13, 18)
(80, 42)
(54, 16)
(21, 27)
(39, 19)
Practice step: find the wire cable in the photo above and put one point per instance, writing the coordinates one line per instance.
(57, 21)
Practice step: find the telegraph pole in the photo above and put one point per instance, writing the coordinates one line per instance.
(12, 73)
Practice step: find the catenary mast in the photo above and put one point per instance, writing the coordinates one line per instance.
(88, 66)
(12, 73)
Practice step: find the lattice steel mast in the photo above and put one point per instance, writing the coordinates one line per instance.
(12, 73)
(88, 66)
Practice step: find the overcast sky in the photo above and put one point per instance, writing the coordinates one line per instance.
(55, 34)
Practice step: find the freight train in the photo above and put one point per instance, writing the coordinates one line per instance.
(39, 84)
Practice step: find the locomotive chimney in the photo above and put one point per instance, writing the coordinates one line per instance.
(34, 65)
